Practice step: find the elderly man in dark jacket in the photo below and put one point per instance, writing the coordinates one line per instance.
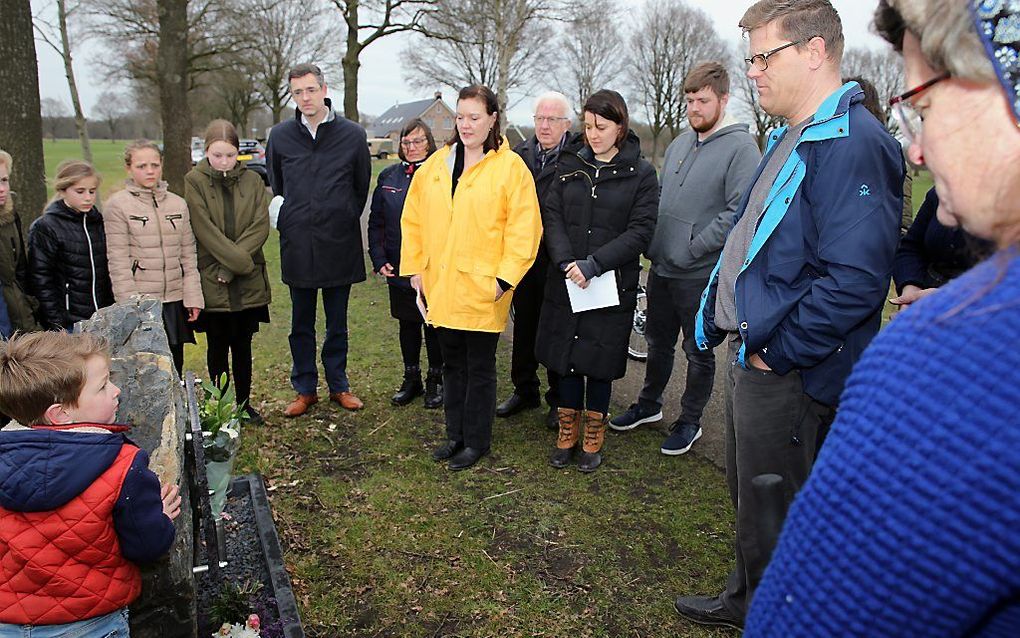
(800, 285)
(319, 163)
(541, 153)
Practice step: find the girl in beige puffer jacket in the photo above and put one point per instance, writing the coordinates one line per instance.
(150, 246)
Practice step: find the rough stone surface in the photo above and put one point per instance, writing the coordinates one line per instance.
(152, 401)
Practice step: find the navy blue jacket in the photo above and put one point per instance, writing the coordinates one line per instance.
(931, 254)
(41, 470)
(324, 183)
(809, 294)
(6, 328)
(384, 220)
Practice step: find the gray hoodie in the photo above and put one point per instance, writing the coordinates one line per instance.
(701, 188)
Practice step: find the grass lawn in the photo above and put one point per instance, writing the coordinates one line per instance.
(107, 156)
(381, 541)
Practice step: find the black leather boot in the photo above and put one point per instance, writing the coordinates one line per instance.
(434, 388)
(410, 388)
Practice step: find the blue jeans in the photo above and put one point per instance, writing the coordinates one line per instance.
(304, 375)
(112, 625)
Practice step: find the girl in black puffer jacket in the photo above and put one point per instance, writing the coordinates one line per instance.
(67, 251)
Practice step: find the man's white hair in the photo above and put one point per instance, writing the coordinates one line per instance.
(557, 97)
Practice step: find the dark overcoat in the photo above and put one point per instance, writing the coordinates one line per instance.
(608, 213)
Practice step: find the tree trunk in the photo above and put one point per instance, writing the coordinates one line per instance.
(351, 63)
(79, 115)
(20, 112)
(172, 63)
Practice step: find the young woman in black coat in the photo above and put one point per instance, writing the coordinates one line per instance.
(416, 145)
(599, 219)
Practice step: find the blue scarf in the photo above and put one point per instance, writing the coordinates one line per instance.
(998, 26)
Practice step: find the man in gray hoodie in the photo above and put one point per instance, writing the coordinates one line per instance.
(704, 174)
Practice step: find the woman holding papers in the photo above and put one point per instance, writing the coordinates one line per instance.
(600, 217)
(470, 230)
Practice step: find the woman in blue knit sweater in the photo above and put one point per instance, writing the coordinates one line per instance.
(910, 522)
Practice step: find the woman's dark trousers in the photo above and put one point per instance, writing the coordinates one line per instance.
(469, 383)
(410, 344)
(237, 344)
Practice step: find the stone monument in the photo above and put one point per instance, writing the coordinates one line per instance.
(152, 401)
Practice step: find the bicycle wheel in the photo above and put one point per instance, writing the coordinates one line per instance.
(638, 347)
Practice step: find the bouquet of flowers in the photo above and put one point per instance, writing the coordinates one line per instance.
(221, 432)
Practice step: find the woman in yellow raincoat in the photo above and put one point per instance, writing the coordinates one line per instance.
(470, 228)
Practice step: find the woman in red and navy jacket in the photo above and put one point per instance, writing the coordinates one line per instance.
(416, 145)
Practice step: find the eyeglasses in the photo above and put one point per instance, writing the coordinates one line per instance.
(543, 119)
(760, 61)
(907, 116)
(417, 141)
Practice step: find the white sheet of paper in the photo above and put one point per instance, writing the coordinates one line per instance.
(600, 293)
(275, 205)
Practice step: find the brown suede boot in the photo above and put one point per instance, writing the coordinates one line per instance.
(594, 437)
(570, 431)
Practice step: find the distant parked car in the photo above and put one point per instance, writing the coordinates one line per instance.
(197, 150)
(381, 147)
(254, 154)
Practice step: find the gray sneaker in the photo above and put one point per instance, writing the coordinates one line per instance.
(633, 417)
(681, 437)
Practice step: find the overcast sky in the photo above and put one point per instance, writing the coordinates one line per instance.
(382, 84)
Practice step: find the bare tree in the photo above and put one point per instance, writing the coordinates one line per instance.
(172, 66)
(112, 109)
(288, 32)
(20, 113)
(366, 22)
(593, 53)
(58, 38)
(133, 28)
(882, 68)
(761, 122)
(669, 40)
(503, 44)
(53, 110)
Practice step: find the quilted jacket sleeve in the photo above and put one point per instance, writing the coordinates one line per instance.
(144, 531)
(44, 278)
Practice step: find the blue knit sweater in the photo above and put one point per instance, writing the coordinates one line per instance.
(910, 522)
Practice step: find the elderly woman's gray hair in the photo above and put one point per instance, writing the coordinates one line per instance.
(945, 30)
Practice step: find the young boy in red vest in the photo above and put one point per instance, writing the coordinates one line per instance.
(78, 504)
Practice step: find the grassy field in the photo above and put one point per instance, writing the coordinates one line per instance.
(381, 541)
(107, 156)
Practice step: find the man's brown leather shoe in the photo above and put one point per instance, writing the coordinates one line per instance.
(347, 400)
(300, 405)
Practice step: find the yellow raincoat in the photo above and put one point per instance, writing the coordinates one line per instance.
(490, 229)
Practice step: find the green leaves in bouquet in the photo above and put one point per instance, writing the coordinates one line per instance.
(221, 420)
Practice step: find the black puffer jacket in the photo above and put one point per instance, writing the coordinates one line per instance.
(68, 273)
(607, 213)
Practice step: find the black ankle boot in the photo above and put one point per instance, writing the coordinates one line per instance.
(434, 388)
(410, 388)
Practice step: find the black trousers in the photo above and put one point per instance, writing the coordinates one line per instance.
(410, 344)
(672, 308)
(771, 428)
(236, 346)
(527, 305)
(585, 393)
(469, 385)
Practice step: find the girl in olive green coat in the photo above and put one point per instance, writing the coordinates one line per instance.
(230, 218)
(13, 258)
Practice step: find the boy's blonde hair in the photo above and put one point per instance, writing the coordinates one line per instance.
(39, 369)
